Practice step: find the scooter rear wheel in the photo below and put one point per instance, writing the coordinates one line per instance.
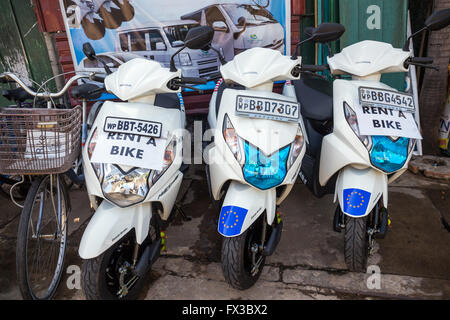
(356, 243)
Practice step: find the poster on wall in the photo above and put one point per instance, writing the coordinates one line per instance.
(121, 30)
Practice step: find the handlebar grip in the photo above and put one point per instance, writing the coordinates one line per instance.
(97, 91)
(314, 68)
(423, 60)
(194, 80)
(98, 78)
(5, 80)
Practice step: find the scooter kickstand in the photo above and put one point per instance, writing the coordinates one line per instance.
(181, 212)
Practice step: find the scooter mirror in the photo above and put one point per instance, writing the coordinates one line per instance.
(309, 32)
(89, 51)
(438, 20)
(327, 32)
(199, 37)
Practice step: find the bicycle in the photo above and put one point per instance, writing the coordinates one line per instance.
(41, 143)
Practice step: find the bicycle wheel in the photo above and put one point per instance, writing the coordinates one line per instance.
(41, 239)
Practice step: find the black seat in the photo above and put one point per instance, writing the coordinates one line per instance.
(220, 91)
(84, 91)
(167, 100)
(18, 94)
(315, 96)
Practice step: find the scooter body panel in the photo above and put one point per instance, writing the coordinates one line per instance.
(268, 135)
(359, 190)
(172, 129)
(343, 147)
(242, 206)
(109, 223)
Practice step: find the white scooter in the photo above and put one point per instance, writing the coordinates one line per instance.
(255, 158)
(363, 133)
(132, 162)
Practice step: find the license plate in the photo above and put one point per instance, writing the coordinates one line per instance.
(267, 108)
(133, 126)
(386, 99)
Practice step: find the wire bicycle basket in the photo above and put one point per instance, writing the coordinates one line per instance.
(39, 141)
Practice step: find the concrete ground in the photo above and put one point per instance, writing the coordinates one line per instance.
(414, 258)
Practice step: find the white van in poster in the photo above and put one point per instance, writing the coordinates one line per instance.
(126, 29)
(239, 27)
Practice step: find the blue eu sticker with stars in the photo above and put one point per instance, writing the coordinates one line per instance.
(356, 201)
(231, 220)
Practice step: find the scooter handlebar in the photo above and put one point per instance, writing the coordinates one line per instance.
(314, 68)
(192, 80)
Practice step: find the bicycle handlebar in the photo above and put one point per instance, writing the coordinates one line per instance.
(9, 76)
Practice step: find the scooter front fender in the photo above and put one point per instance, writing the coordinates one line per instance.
(359, 190)
(242, 206)
(110, 223)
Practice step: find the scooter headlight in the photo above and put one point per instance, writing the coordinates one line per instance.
(185, 59)
(234, 142)
(169, 157)
(125, 188)
(265, 172)
(296, 148)
(389, 155)
(385, 153)
(352, 121)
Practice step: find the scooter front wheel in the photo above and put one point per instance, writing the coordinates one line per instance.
(109, 276)
(242, 259)
(356, 243)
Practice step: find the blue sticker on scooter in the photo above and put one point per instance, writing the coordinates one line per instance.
(231, 220)
(356, 201)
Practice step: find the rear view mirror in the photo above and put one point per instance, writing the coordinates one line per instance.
(199, 37)
(324, 33)
(327, 32)
(89, 51)
(309, 32)
(438, 20)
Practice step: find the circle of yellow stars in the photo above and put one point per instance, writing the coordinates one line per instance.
(355, 193)
(233, 221)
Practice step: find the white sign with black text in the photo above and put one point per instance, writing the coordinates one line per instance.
(129, 150)
(379, 121)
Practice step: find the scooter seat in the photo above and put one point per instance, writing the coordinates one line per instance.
(220, 91)
(315, 96)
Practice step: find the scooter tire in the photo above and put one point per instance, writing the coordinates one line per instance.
(356, 243)
(94, 278)
(234, 262)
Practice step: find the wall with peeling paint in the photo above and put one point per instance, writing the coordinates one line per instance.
(22, 46)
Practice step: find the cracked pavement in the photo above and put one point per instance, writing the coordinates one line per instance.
(414, 258)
